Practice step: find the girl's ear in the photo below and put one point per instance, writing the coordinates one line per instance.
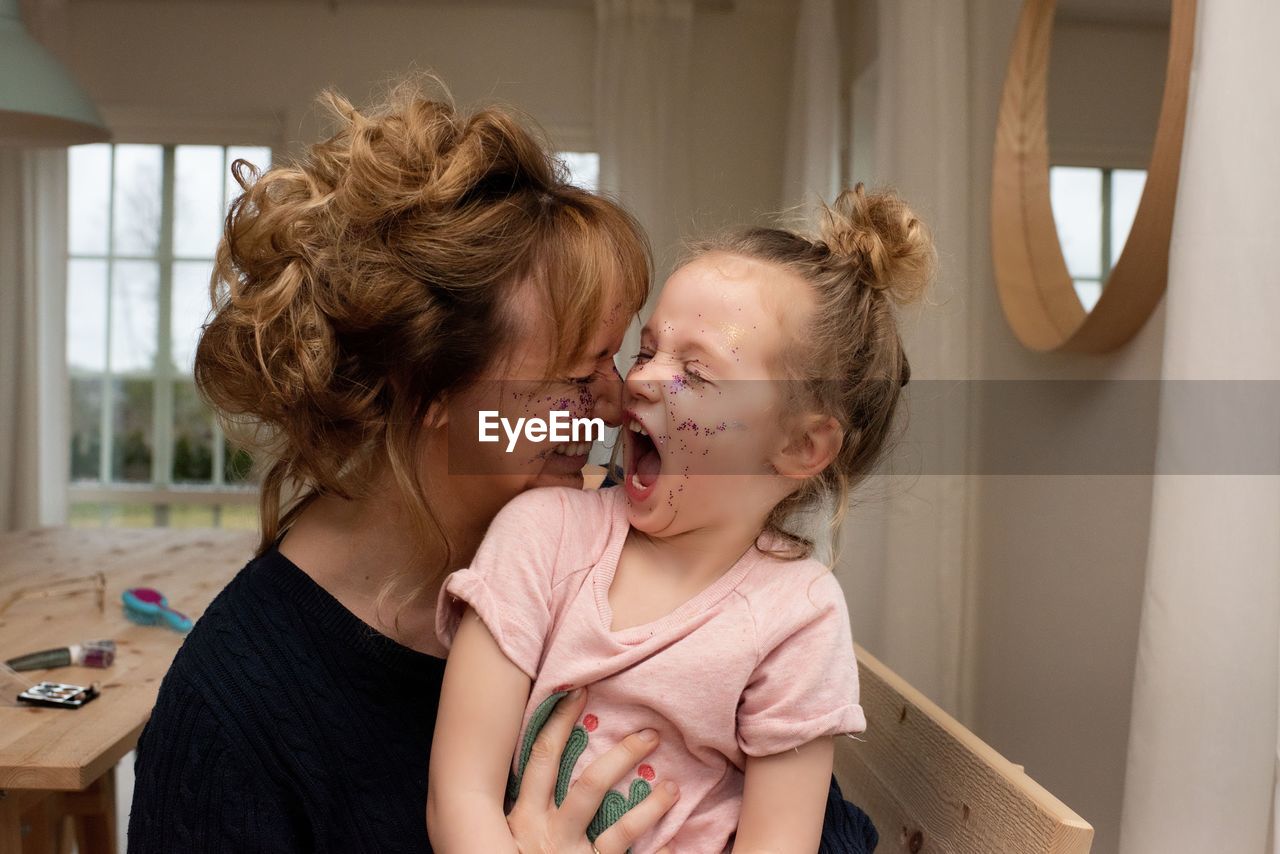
(813, 445)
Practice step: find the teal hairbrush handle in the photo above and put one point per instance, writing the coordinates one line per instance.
(147, 606)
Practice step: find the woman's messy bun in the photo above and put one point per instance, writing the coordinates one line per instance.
(871, 254)
(355, 287)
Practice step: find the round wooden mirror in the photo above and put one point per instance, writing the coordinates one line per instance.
(1037, 292)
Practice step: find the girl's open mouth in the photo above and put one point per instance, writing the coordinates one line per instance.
(642, 460)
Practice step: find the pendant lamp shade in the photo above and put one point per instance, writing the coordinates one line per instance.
(40, 105)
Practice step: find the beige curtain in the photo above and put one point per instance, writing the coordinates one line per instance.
(811, 168)
(1202, 746)
(642, 115)
(903, 548)
(33, 379)
(33, 384)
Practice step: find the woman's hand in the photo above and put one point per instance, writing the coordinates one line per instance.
(540, 827)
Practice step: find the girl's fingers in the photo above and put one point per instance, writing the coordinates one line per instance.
(639, 820)
(537, 786)
(588, 791)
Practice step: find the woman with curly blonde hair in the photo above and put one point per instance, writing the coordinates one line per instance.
(419, 265)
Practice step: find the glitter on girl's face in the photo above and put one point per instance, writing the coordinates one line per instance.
(703, 391)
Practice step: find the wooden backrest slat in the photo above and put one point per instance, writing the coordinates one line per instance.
(930, 785)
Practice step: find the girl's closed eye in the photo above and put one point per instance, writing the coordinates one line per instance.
(692, 377)
(689, 375)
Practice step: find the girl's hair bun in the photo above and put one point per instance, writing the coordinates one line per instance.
(881, 240)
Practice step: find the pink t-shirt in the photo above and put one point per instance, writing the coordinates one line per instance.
(759, 662)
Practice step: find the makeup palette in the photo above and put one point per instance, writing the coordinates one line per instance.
(58, 695)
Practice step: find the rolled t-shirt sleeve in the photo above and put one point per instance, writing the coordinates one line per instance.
(805, 685)
(509, 582)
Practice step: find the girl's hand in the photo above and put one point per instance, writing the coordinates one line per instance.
(540, 827)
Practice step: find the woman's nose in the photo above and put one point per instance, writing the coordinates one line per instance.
(606, 393)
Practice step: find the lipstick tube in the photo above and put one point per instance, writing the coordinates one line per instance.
(88, 654)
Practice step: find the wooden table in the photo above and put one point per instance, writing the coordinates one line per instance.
(54, 762)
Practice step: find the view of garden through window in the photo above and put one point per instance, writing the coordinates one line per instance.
(144, 222)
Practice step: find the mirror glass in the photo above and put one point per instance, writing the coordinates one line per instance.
(1107, 67)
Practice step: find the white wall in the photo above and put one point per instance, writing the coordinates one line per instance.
(231, 60)
(1105, 86)
(245, 64)
(1060, 560)
(1056, 562)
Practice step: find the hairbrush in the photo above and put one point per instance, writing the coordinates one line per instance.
(148, 607)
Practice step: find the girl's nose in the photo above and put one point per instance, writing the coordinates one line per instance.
(644, 380)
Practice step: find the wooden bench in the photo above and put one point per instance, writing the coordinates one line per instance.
(930, 785)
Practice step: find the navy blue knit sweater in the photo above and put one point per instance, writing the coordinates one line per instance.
(286, 724)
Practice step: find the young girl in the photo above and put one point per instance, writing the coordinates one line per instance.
(685, 601)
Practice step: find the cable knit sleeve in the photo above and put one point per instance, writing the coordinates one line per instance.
(194, 791)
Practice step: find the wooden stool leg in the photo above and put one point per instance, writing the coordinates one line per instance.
(42, 820)
(10, 822)
(66, 834)
(95, 813)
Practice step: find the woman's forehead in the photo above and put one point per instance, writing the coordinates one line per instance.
(537, 335)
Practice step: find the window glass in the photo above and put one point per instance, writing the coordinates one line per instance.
(1076, 196)
(137, 199)
(88, 198)
(197, 200)
(135, 295)
(1126, 192)
(584, 168)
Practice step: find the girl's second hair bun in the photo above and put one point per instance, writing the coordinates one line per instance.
(881, 240)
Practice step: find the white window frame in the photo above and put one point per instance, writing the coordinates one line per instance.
(169, 130)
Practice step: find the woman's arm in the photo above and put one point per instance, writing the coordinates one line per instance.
(481, 706)
(783, 800)
(199, 788)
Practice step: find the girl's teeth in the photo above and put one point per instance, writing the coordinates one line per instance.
(635, 481)
(636, 427)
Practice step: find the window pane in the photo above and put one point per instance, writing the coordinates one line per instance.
(258, 155)
(135, 295)
(131, 446)
(238, 464)
(86, 427)
(238, 517)
(197, 200)
(1088, 290)
(1126, 192)
(192, 436)
(1076, 196)
(137, 199)
(80, 515)
(86, 315)
(88, 197)
(113, 515)
(189, 304)
(191, 516)
(584, 168)
(110, 515)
